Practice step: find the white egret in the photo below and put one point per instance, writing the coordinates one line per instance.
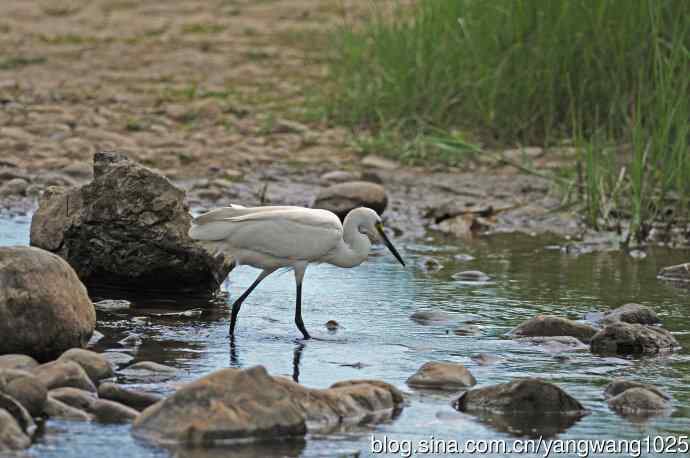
(270, 238)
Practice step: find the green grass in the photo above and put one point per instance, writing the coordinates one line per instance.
(611, 75)
(14, 62)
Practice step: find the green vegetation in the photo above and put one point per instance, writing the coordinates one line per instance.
(612, 77)
(13, 62)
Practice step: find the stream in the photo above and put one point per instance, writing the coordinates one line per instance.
(377, 339)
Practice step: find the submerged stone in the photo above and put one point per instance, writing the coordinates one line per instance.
(633, 339)
(442, 376)
(553, 326)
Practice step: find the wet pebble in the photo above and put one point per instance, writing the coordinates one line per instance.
(96, 365)
(337, 176)
(471, 275)
(112, 305)
(107, 411)
(332, 325)
(135, 399)
(464, 257)
(427, 264)
(59, 410)
(442, 376)
(486, 359)
(150, 366)
(428, 317)
(118, 359)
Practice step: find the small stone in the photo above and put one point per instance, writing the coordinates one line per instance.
(522, 395)
(79, 170)
(552, 326)
(58, 374)
(117, 358)
(337, 176)
(617, 386)
(633, 339)
(427, 264)
(25, 388)
(332, 325)
(631, 313)
(150, 366)
(96, 365)
(283, 126)
(60, 410)
(463, 257)
(442, 376)
(14, 187)
(555, 344)
(638, 401)
(11, 435)
(342, 197)
(112, 305)
(485, 359)
(135, 399)
(472, 275)
(132, 340)
(20, 414)
(74, 397)
(679, 273)
(379, 162)
(107, 411)
(431, 317)
(20, 362)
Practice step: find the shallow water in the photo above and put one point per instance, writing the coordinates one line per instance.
(377, 339)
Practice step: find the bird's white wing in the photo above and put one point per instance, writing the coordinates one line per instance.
(211, 225)
(284, 232)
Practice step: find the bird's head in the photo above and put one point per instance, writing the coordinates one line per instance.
(369, 223)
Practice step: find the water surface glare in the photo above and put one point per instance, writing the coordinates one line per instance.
(377, 339)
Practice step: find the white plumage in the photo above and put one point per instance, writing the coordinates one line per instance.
(270, 238)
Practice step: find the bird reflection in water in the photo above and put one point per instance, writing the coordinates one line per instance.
(296, 357)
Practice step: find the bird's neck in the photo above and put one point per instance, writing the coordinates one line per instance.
(354, 247)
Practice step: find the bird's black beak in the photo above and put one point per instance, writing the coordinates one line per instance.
(379, 228)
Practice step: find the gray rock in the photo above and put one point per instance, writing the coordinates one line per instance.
(639, 401)
(79, 170)
(471, 275)
(135, 399)
(555, 344)
(11, 435)
(617, 386)
(21, 362)
(431, 317)
(118, 359)
(523, 395)
(551, 326)
(427, 264)
(112, 305)
(379, 162)
(343, 197)
(442, 376)
(631, 313)
(44, 308)
(58, 374)
(337, 176)
(14, 187)
(74, 397)
(25, 388)
(106, 411)
(20, 414)
(679, 273)
(633, 339)
(127, 228)
(232, 404)
(60, 410)
(96, 365)
(149, 366)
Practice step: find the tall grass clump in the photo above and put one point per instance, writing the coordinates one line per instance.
(612, 75)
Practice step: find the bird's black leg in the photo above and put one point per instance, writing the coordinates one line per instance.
(238, 303)
(299, 276)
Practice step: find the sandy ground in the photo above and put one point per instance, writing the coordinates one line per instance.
(212, 92)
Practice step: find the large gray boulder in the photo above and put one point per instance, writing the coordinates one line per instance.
(633, 339)
(234, 404)
(126, 229)
(342, 197)
(44, 308)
